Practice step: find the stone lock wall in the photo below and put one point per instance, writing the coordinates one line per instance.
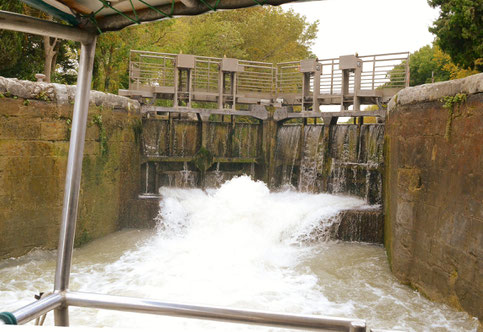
(35, 121)
(434, 190)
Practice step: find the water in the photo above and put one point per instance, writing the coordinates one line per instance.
(238, 246)
(312, 158)
(286, 154)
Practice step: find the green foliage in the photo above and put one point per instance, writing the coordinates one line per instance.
(449, 102)
(429, 64)
(22, 55)
(422, 67)
(203, 159)
(259, 33)
(137, 127)
(97, 120)
(12, 42)
(459, 31)
(69, 128)
(42, 95)
(82, 238)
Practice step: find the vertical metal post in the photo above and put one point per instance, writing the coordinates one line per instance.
(305, 89)
(130, 69)
(332, 77)
(221, 84)
(73, 176)
(373, 72)
(176, 85)
(408, 72)
(274, 82)
(233, 84)
(357, 85)
(208, 79)
(344, 88)
(316, 90)
(190, 86)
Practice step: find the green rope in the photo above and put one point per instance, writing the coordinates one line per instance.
(93, 20)
(105, 3)
(134, 11)
(8, 318)
(160, 11)
(207, 5)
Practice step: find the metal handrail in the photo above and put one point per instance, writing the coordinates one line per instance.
(148, 306)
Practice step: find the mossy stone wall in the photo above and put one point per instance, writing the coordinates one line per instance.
(433, 193)
(34, 144)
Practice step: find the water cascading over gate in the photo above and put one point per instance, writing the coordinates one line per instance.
(343, 158)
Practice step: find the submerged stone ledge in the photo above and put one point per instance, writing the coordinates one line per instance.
(364, 224)
(360, 225)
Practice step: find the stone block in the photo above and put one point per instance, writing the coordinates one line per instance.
(365, 225)
(91, 148)
(17, 167)
(40, 148)
(42, 166)
(10, 107)
(19, 128)
(33, 164)
(54, 130)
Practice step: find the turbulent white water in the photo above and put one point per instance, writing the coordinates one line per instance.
(238, 246)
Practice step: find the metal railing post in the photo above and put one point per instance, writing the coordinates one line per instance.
(408, 72)
(221, 88)
(373, 72)
(234, 89)
(332, 77)
(357, 85)
(73, 176)
(316, 88)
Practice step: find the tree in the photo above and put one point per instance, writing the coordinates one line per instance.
(260, 33)
(24, 55)
(459, 31)
(273, 35)
(11, 42)
(21, 54)
(430, 64)
(423, 69)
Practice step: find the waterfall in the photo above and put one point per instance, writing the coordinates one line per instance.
(286, 153)
(187, 179)
(312, 158)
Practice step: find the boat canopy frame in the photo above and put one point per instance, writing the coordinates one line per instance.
(61, 298)
(100, 16)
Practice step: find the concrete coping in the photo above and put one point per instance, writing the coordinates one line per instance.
(436, 91)
(63, 94)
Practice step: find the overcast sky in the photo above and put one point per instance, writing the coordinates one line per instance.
(368, 26)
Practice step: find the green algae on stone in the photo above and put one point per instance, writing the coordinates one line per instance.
(203, 159)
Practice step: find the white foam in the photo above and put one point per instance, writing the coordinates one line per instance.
(236, 246)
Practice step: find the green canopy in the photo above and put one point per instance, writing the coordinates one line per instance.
(104, 15)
